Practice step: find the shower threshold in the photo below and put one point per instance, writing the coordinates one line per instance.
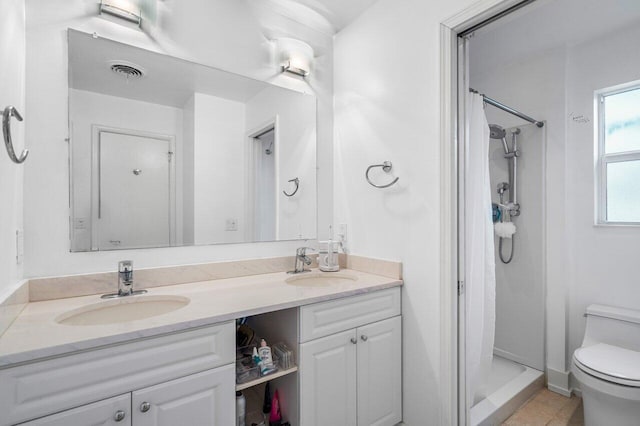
(511, 385)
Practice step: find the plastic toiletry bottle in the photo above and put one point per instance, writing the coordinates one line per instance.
(275, 418)
(266, 403)
(241, 409)
(266, 360)
(256, 358)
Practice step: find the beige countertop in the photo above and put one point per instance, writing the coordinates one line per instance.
(35, 334)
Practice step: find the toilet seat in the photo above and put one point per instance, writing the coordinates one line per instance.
(611, 363)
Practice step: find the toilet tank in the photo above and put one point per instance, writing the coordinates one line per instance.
(612, 325)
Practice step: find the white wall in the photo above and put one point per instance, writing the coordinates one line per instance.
(88, 109)
(12, 86)
(219, 159)
(188, 175)
(46, 175)
(603, 260)
(295, 151)
(387, 107)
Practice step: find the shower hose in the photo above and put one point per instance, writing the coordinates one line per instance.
(512, 250)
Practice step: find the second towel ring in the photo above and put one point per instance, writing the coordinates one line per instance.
(297, 182)
(8, 113)
(386, 167)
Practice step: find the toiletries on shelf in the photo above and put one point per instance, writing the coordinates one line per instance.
(266, 359)
(284, 355)
(254, 362)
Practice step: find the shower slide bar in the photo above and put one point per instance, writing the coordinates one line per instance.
(510, 110)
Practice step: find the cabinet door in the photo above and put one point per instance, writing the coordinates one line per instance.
(203, 399)
(328, 380)
(380, 373)
(114, 411)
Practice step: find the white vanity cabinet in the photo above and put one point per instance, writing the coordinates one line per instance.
(186, 375)
(350, 361)
(203, 399)
(114, 411)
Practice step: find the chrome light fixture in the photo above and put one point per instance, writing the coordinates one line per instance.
(122, 9)
(295, 56)
(295, 70)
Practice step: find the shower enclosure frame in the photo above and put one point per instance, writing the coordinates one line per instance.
(453, 90)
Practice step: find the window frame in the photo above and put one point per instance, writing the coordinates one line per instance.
(602, 159)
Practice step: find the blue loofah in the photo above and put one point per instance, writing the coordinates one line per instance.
(497, 214)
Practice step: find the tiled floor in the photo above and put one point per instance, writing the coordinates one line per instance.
(550, 409)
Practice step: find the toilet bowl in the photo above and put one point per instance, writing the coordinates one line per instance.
(607, 366)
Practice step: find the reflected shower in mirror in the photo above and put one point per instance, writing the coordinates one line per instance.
(166, 152)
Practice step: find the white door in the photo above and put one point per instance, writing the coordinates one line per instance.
(203, 399)
(134, 191)
(328, 380)
(265, 187)
(380, 373)
(114, 411)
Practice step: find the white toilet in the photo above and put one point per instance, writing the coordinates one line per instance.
(608, 366)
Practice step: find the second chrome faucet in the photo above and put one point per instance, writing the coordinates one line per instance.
(301, 260)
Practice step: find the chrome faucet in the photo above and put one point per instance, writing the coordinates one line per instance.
(125, 277)
(301, 260)
(125, 281)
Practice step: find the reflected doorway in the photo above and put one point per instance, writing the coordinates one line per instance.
(133, 187)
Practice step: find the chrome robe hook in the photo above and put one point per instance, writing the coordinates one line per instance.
(8, 113)
(386, 167)
(297, 183)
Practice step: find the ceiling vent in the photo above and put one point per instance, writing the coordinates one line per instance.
(127, 69)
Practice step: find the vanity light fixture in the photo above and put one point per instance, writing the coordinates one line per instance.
(123, 9)
(297, 70)
(295, 56)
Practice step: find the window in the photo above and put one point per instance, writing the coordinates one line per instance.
(618, 159)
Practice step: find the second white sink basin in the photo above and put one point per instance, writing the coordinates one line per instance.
(320, 279)
(128, 308)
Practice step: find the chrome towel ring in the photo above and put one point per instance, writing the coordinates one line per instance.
(297, 183)
(8, 113)
(386, 167)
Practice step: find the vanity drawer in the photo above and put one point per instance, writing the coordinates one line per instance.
(326, 318)
(40, 388)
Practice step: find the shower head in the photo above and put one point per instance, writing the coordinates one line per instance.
(496, 132)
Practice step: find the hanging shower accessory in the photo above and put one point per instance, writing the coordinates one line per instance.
(10, 112)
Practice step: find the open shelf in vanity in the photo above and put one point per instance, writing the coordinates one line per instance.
(274, 327)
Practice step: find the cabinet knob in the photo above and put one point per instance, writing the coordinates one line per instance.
(364, 338)
(145, 406)
(120, 415)
(354, 340)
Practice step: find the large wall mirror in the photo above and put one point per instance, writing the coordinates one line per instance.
(166, 152)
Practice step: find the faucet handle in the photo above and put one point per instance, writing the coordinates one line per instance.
(302, 251)
(125, 266)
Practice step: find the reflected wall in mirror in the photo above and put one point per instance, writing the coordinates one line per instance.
(165, 152)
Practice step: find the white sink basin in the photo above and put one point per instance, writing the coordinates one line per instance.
(320, 279)
(128, 308)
